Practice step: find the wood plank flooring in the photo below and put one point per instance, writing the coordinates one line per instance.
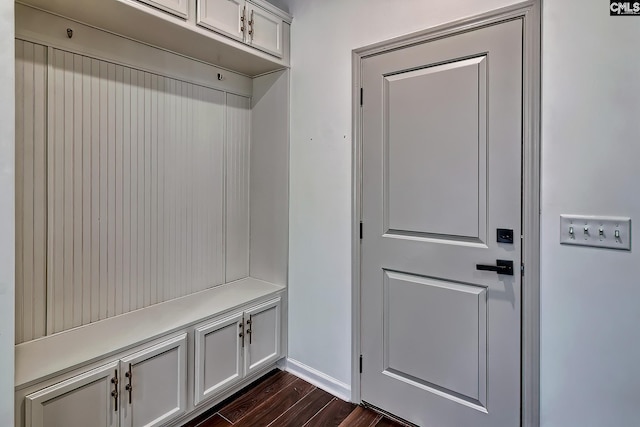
(282, 400)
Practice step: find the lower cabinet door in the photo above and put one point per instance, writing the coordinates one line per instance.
(218, 356)
(81, 401)
(154, 384)
(262, 341)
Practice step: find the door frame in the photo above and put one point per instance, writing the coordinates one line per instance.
(529, 12)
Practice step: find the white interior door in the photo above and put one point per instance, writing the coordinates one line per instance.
(154, 384)
(441, 175)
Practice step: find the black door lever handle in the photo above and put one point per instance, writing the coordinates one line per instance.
(502, 267)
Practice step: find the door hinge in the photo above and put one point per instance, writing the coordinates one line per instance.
(360, 363)
(361, 96)
(360, 230)
(522, 269)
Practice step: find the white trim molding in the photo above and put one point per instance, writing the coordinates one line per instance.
(317, 378)
(529, 12)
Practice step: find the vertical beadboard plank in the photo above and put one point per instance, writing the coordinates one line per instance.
(153, 252)
(104, 189)
(28, 185)
(20, 118)
(119, 212)
(219, 203)
(147, 189)
(160, 184)
(126, 190)
(133, 289)
(179, 190)
(170, 199)
(95, 190)
(237, 187)
(111, 187)
(67, 167)
(78, 255)
(39, 300)
(189, 188)
(86, 190)
(141, 191)
(56, 199)
(198, 184)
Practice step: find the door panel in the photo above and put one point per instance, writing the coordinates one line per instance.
(426, 140)
(448, 323)
(158, 381)
(223, 16)
(441, 172)
(218, 356)
(262, 343)
(80, 401)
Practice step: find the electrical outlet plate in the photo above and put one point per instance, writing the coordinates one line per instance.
(596, 231)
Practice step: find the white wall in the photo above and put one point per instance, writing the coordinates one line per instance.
(7, 244)
(323, 36)
(591, 150)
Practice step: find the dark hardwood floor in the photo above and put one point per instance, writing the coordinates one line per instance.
(283, 400)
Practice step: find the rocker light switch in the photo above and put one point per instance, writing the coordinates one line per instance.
(601, 232)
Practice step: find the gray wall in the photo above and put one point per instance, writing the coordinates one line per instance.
(590, 148)
(590, 145)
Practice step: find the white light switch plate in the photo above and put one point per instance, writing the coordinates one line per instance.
(601, 232)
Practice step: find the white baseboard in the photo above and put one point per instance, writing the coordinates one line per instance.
(317, 378)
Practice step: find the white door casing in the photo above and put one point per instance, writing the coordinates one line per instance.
(441, 172)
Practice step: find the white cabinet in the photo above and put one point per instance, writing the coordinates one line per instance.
(176, 7)
(81, 401)
(264, 30)
(243, 21)
(148, 388)
(223, 16)
(229, 349)
(218, 356)
(154, 386)
(263, 336)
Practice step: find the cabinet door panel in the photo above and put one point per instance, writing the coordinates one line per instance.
(176, 7)
(265, 31)
(158, 381)
(222, 16)
(263, 335)
(80, 401)
(218, 356)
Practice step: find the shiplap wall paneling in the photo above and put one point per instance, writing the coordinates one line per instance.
(135, 184)
(238, 175)
(31, 109)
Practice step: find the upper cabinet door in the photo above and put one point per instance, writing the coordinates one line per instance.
(227, 17)
(262, 336)
(81, 401)
(264, 31)
(154, 384)
(176, 7)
